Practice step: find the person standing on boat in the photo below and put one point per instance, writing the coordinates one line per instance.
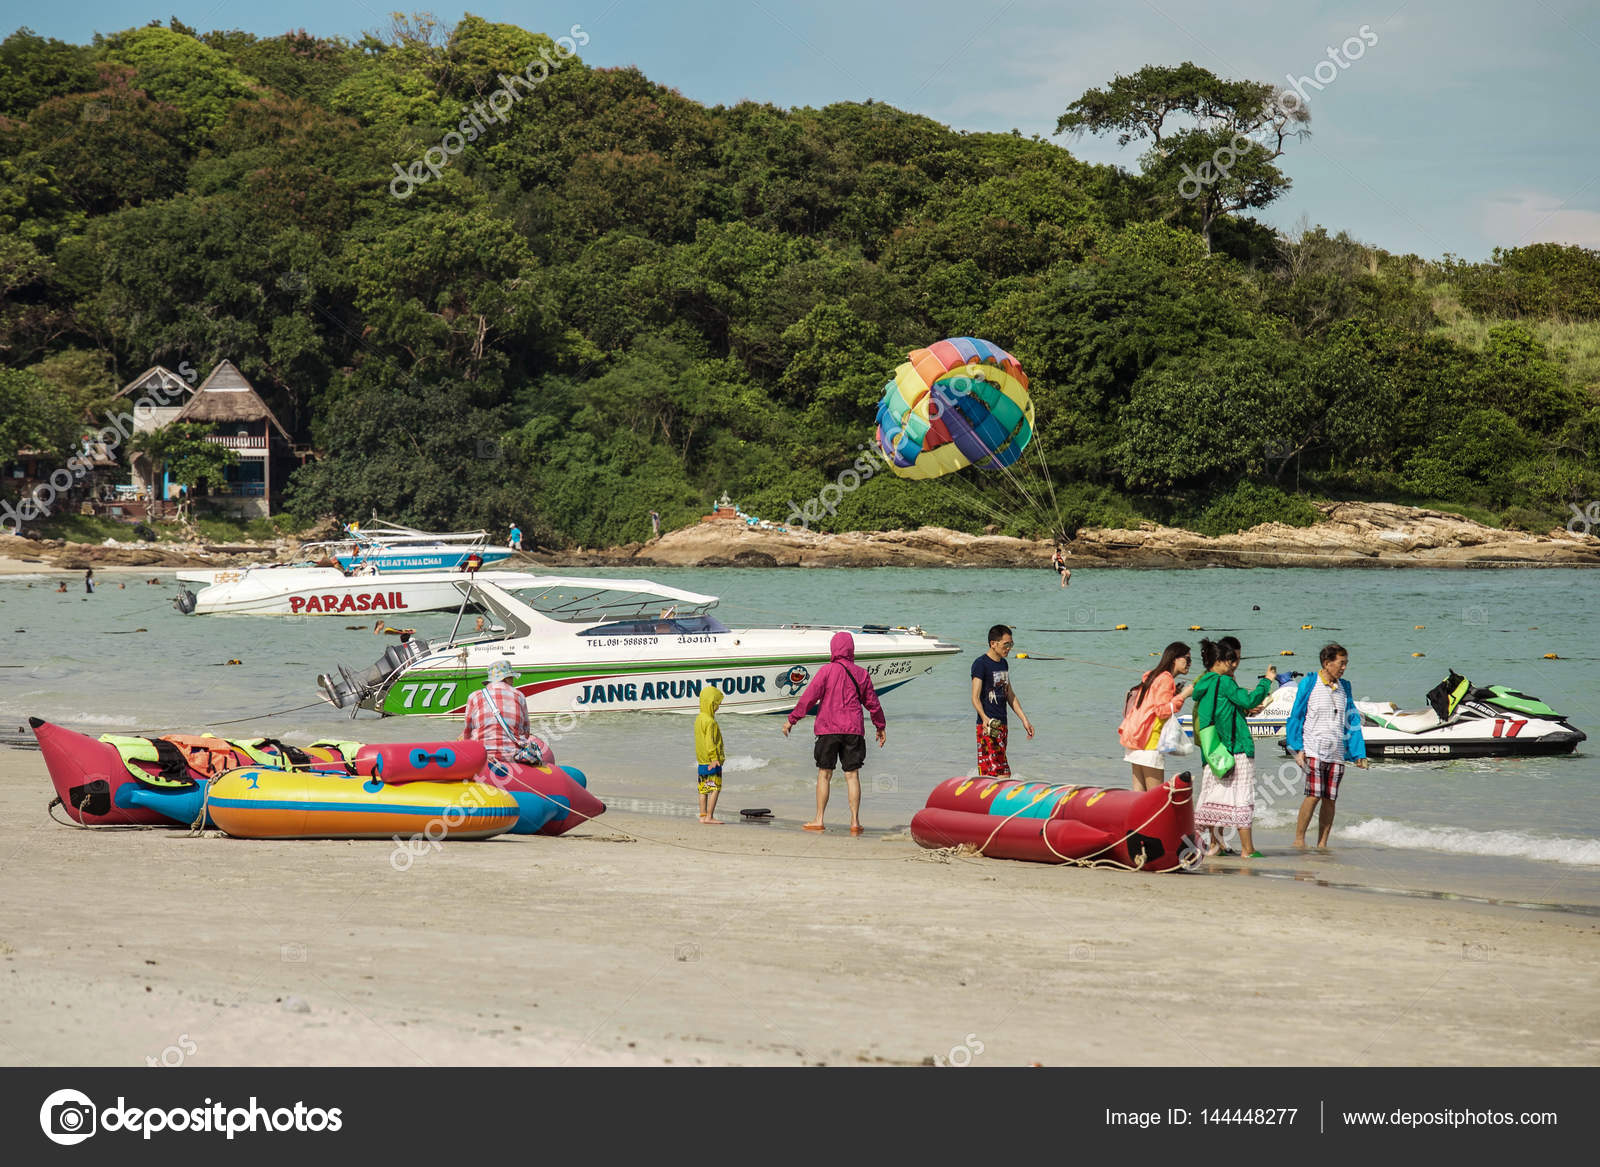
(497, 716)
(515, 542)
(1148, 707)
(992, 694)
(1323, 732)
(839, 692)
(1227, 799)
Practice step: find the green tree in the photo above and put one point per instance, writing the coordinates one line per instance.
(1224, 161)
(178, 70)
(109, 148)
(1541, 279)
(1211, 418)
(32, 415)
(1471, 459)
(34, 69)
(187, 453)
(450, 289)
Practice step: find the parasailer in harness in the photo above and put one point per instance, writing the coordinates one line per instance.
(1058, 562)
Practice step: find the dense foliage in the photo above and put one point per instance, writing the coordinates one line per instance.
(184, 448)
(606, 299)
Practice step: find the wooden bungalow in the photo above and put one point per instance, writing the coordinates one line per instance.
(241, 421)
(155, 397)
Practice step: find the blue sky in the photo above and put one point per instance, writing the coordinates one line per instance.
(1465, 126)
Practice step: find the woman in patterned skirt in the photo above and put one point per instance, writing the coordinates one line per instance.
(1228, 800)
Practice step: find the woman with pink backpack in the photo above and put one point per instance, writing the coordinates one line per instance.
(1148, 707)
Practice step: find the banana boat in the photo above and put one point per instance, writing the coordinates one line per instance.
(1006, 818)
(129, 780)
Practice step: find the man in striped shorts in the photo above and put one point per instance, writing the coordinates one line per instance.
(1323, 732)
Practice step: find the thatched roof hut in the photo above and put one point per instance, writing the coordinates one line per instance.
(225, 397)
(160, 384)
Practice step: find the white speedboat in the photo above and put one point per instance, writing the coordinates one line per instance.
(387, 547)
(297, 590)
(1461, 720)
(380, 548)
(618, 645)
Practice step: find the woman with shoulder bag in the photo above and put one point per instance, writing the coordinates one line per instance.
(1221, 731)
(1150, 708)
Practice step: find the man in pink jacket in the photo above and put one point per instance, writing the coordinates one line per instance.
(839, 692)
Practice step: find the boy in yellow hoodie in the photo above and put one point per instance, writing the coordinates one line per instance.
(709, 753)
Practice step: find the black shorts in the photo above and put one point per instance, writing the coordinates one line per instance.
(845, 750)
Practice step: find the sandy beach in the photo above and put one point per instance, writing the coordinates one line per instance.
(748, 945)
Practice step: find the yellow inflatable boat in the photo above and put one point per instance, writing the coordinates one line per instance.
(275, 804)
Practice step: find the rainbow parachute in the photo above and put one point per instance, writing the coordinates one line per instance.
(960, 402)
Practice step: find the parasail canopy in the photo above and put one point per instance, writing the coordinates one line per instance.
(960, 402)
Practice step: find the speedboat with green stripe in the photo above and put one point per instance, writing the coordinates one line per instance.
(582, 645)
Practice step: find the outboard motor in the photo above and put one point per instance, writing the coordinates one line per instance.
(184, 601)
(348, 690)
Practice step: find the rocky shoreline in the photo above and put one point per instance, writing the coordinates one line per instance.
(1351, 534)
(1377, 535)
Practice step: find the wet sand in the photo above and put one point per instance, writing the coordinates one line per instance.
(752, 945)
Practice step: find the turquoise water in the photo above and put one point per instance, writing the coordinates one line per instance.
(81, 661)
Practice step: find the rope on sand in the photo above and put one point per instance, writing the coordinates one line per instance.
(69, 822)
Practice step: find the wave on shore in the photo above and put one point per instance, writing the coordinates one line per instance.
(1506, 844)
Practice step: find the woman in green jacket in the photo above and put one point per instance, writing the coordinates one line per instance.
(1220, 705)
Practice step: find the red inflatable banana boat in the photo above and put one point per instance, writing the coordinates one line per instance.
(87, 772)
(1061, 823)
(563, 788)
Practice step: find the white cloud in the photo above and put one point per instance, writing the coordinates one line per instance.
(1523, 217)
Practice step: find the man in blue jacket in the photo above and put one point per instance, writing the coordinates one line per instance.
(1324, 731)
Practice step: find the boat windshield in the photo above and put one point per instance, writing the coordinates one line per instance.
(589, 601)
(675, 626)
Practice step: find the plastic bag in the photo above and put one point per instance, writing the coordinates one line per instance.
(1173, 740)
(1218, 758)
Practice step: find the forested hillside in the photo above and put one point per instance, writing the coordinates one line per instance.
(612, 299)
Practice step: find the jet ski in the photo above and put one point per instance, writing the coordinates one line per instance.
(1463, 720)
(1460, 720)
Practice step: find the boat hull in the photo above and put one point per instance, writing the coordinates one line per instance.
(770, 684)
(1475, 738)
(421, 559)
(330, 593)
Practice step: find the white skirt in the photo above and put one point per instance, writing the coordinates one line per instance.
(1151, 758)
(1229, 801)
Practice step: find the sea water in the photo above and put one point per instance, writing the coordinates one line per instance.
(122, 660)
